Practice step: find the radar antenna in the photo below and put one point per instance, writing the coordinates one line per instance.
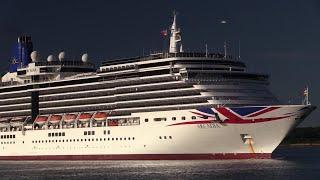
(175, 37)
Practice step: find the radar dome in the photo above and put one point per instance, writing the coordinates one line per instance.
(50, 58)
(85, 58)
(34, 56)
(62, 56)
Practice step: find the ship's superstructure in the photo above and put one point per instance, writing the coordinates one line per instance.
(169, 105)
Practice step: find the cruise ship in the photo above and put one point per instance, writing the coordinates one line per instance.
(163, 106)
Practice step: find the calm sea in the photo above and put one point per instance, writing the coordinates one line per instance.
(288, 163)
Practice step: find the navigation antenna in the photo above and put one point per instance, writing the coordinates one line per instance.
(206, 50)
(239, 50)
(225, 50)
(175, 37)
(306, 96)
(225, 41)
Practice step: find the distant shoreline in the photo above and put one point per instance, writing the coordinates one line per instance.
(306, 136)
(300, 145)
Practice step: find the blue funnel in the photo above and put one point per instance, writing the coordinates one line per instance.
(21, 53)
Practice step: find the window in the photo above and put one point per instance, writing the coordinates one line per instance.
(1, 136)
(85, 132)
(14, 136)
(108, 131)
(49, 134)
(60, 134)
(63, 134)
(132, 138)
(193, 117)
(56, 134)
(104, 132)
(89, 132)
(159, 137)
(174, 118)
(10, 136)
(170, 137)
(160, 119)
(146, 120)
(92, 133)
(183, 118)
(165, 137)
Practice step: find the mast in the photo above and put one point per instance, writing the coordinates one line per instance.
(175, 37)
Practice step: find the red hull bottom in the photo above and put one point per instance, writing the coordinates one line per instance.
(143, 157)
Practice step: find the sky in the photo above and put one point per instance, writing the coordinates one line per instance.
(279, 38)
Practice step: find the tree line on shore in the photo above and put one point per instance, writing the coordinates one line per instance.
(303, 135)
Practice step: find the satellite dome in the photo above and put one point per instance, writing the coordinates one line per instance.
(85, 58)
(62, 56)
(50, 58)
(34, 56)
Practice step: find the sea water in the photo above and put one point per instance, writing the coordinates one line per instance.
(287, 163)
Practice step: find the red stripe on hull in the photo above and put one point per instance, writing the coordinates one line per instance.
(263, 111)
(144, 157)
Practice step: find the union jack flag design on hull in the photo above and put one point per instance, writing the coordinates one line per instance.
(236, 115)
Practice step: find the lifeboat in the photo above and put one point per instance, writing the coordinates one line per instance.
(100, 116)
(68, 118)
(41, 120)
(4, 119)
(54, 119)
(85, 117)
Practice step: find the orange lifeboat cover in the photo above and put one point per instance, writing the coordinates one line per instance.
(85, 116)
(99, 116)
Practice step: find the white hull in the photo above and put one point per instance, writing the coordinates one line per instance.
(181, 137)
